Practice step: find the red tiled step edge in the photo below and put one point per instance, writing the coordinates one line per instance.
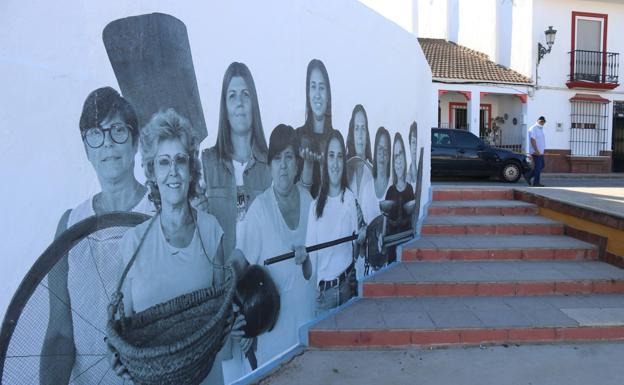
(478, 210)
(499, 229)
(463, 289)
(456, 195)
(445, 337)
(414, 254)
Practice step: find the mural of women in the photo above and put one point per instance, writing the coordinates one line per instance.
(276, 224)
(399, 193)
(318, 123)
(334, 214)
(235, 170)
(375, 191)
(359, 159)
(413, 146)
(110, 134)
(178, 250)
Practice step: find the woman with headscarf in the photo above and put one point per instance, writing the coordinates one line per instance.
(110, 135)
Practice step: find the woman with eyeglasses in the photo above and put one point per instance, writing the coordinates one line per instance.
(375, 190)
(412, 173)
(110, 135)
(399, 193)
(180, 250)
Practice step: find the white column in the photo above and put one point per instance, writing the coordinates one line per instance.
(415, 17)
(474, 105)
(523, 126)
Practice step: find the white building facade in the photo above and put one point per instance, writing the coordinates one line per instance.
(576, 86)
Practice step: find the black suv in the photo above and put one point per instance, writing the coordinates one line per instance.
(459, 152)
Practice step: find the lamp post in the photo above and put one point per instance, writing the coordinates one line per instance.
(541, 50)
(550, 40)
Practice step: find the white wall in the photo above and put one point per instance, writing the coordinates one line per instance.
(52, 56)
(432, 19)
(522, 51)
(555, 67)
(401, 12)
(504, 26)
(477, 28)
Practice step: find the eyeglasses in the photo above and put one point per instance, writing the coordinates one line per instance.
(163, 163)
(119, 133)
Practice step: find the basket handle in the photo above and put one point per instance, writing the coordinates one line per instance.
(117, 297)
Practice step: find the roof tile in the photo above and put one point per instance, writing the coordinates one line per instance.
(449, 60)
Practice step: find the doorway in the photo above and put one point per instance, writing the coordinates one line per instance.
(617, 139)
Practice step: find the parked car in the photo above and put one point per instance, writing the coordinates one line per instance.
(459, 152)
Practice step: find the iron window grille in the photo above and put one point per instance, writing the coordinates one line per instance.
(588, 131)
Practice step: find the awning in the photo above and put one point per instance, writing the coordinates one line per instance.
(589, 98)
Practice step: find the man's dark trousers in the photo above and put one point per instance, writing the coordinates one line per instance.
(538, 165)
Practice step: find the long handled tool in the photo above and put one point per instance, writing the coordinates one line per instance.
(309, 249)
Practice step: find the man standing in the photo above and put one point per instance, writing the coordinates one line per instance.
(536, 147)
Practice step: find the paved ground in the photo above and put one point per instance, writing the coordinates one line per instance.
(575, 364)
(602, 192)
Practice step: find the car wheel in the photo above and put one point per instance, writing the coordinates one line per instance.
(510, 173)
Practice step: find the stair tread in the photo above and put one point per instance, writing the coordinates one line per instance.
(497, 242)
(482, 203)
(488, 220)
(496, 271)
(440, 313)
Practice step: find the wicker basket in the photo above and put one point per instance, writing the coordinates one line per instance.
(175, 342)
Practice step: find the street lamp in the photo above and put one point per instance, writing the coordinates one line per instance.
(550, 40)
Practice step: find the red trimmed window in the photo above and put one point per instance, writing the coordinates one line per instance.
(591, 65)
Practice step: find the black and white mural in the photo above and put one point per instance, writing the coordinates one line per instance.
(221, 179)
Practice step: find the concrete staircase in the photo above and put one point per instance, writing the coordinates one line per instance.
(486, 270)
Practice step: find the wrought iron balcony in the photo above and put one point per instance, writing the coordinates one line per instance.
(594, 69)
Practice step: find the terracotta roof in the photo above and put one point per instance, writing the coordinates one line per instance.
(452, 61)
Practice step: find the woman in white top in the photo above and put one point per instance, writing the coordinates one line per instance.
(334, 214)
(375, 191)
(359, 163)
(181, 247)
(412, 173)
(359, 172)
(73, 341)
(276, 224)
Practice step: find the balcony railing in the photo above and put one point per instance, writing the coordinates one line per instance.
(594, 67)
